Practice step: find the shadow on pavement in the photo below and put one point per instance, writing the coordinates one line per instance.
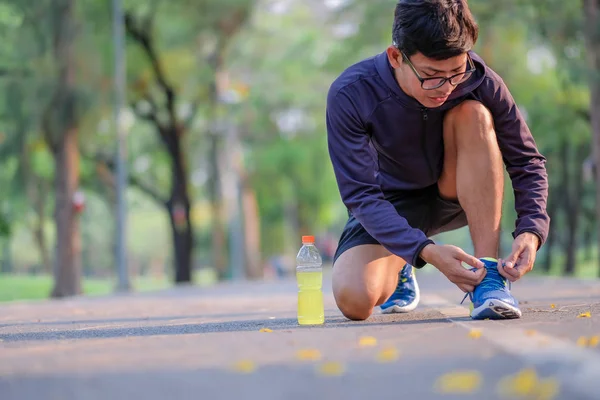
(281, 324)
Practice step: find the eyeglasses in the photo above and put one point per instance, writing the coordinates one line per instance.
(437, 82)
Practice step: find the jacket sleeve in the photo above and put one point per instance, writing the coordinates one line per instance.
(355, 170)
(524, 163)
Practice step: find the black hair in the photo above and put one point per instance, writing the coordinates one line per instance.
(440, 29)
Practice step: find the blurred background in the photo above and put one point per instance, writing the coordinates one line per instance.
(148, 143)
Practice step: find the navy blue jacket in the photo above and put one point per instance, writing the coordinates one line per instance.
(381, 140)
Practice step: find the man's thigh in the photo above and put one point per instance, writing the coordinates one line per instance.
(365, 274)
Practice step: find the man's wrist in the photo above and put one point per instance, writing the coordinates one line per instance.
(427, 253)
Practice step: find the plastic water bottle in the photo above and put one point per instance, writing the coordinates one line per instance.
(309, 274)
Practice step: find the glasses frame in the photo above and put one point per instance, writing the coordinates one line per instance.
(444, 80)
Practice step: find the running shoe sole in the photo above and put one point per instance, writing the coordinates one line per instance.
(495, 309)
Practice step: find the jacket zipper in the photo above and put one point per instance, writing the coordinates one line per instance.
(423, 141)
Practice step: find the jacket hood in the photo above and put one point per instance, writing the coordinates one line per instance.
(386, 72)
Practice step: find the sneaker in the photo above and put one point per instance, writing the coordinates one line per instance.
(406, 296)
(491, 299)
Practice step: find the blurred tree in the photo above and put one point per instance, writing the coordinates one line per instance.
(591, 10)
(170, 130)
(156, 101)
(60, 125)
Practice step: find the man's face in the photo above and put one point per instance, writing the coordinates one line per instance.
(418, 75)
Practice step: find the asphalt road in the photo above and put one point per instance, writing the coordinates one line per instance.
(192, 343)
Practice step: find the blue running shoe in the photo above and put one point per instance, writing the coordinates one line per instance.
(491, 298)
(406, 296)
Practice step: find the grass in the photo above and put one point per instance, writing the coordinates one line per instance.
(28, 287)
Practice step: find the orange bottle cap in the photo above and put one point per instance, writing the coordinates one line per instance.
(308, 239)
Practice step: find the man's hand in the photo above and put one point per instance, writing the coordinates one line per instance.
(520, 261)
(448, 259)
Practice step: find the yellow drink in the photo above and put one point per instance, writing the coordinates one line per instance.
(310, 298)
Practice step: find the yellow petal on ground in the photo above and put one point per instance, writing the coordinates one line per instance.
(582, 341)
(459, 382)
(475, 333)
(552, 305)
(367, 341)
(331, 368)
(244, 366)
(388, 354)
(521, 384)
(530, 332)
(594, 341)
(308, 354)
(265, 330)
(526, 385)
(586, 314)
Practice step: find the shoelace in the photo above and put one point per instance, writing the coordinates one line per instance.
(492, 281)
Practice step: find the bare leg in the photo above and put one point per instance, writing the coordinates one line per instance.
(364, 277)
(473, 173)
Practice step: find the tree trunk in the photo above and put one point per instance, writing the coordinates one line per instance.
(252, 232)
(587, 242)
(60, 128)
(219, 257)
(573, 211)
(68, 241)
(592, 41)
(179, 208)
(549, 246)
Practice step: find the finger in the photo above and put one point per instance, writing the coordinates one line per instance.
(525, 261)
(506, 271)
(466, 288)
(468, 259)
(470, 277)
(480, 274)
(522, 269)
(511, 260)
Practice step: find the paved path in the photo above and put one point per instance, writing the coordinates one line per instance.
(192, 343)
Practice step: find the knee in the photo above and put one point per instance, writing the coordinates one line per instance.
(355, 304)
(470, 119)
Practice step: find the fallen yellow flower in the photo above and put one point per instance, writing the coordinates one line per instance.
(520, 384)
(586, 314)
(582, 341)
(475, 333)
(266, 330)
(308, 354)
(459, 382)
(526, 384)
(244, 366)
(594, 341)
(331, 368)
(530, 332)
(552, 305)
(367, 341)
(387, 355)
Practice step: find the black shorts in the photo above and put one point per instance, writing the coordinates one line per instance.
(424, 209)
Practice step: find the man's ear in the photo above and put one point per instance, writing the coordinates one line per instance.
(394, 56)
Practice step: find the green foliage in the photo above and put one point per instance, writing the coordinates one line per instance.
(280, 65)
